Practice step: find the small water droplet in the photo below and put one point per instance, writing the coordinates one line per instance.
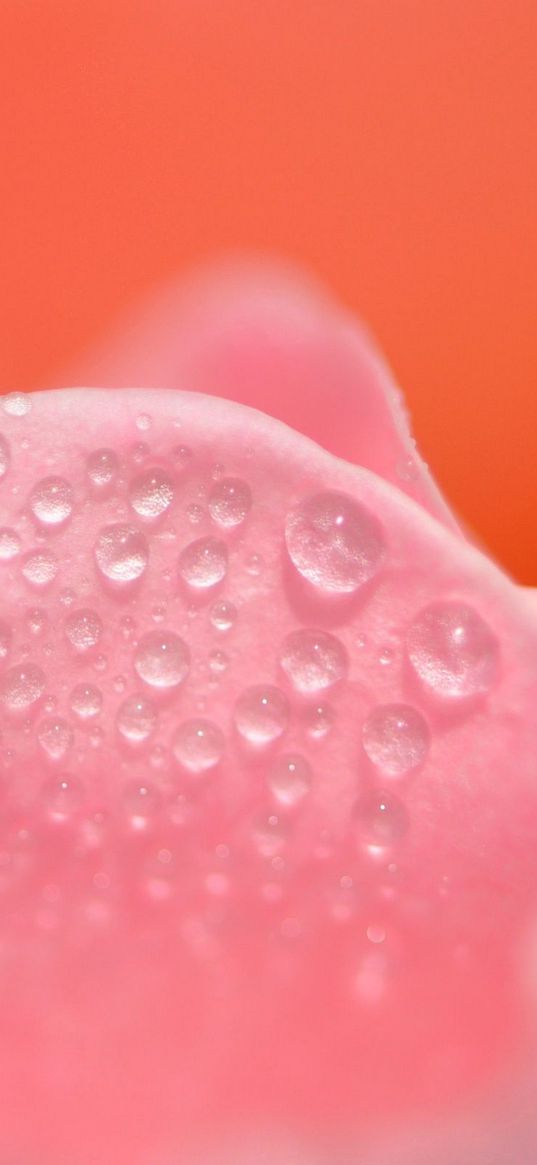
(319, 721)
(181, 456)
(51, 501)
(261, 714)
(141, 804)
(254, 565)
(136, 719)
(121, 553)
(452, 650)
(334, 543)
(21, 688)
(396, 738)
(290, 780)
(198, 745)
(5, 639)
(223, 615)
(151, 493)
(143, 422)
(102, 468)
(313, 660)
(230, 501)
(86, 701)
(5, 456)
(83, 629)
(218, 661)
(203, 563)
(62, 797)
(162, 659)
(16, 404)
(54, 737)
(39, 567)
(10, 544)
(383, 819)
(195, 513)
(36, 620)
(269, 835)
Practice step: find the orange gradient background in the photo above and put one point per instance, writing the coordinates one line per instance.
(390, 146)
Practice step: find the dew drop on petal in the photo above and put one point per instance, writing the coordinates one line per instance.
(4, 456)
(334, 543)
(151, 493)
(203, 563)
(5, 639)
(16, 404)
(223, 615)
(121, 553)
(319, 721)
(54, 737)
(140, 804)
(230, 501)
(39, 567)
(383, 819)
(102, 469)
(62, 797)
(21, 688)
(51, 501)
(86, 701)
(396, 738)
(83, 629)
(198, 745)
(10, 544)
(313, 660)
(162, 659)
(261, 714)
(136, 719)
(452, 650)
(289, 780)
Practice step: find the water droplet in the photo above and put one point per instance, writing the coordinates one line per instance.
(269, 835)
(396, 738)
(86, 701)
(136, 719)
(141, 803)
(162, 659)
(223, 615)
(16, 404)
(261, 714)
(254, 564)
(5, 639)
(83, 629)
(198, 745)
(55, 737)
(313, 660)
(230, 501)
(10, 544)
(36, 620)
(51, 501)
(319, 721)
(383, 819)
(203, 563)
(151, 493)
(4, 456)
(181, 455)
(102, 468)
(39, 567)
(452, 650)
(21, 688)
(144, 422)
(218, 661)
(122, 553)
(334, 543)
(62, 797)
(195, 513)
(290, 780)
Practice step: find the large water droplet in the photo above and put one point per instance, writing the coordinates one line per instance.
(452, 650)
(83, 629)
(121, 553)
(334, 542)
(21, 688)
(10, 544)
(203, 563)
(383, 819)
(151, 493)
(198, 745)
(51, 501)
(162, 659)
(396, 738)
(39, 567)
(313, 660)
(5, 639)
(136, 719)
(290, 780)
(230, 501)
(86, 701)
(4, 456)
(55, 737)
(102, 468)
(261, 714)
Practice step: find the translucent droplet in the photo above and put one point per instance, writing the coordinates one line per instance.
(55, 737)
(383, 819)
(39, 567)
(122, 553)
(269, 835)
(223, 615)
(230, 501)
(4, 456)
(86, 701)
(334, 543)
(198, 745)
(144, 422)
(319, 721)
(218, 661)
(16, 404)
(62, 797)
(36, 620)
(21, 688)
(290, 780)
(141, 803)
(136, 719)
(396, 738)
(83, 629)
(203, 563)
(10, 544)
(162, 659)
(261, 714)
(151, 493)
(452, 650)
(51, 501)
(102, 468)
(313, 660)
(5, 639)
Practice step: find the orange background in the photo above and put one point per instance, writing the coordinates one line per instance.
(389, 145)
